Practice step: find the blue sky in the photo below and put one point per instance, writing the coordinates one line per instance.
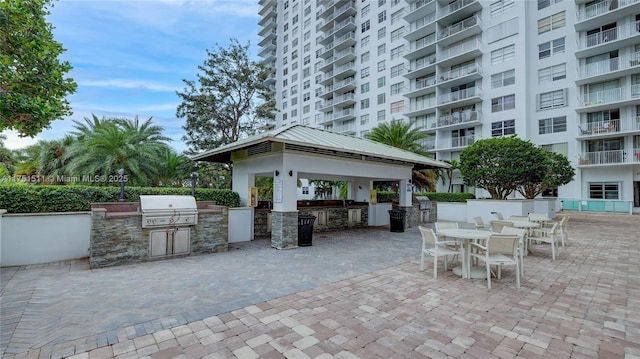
(130, 57)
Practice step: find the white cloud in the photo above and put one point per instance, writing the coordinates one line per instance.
(14, 142)
(128, 84)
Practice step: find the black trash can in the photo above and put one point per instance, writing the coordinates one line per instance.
(305, 230)
(396, 220)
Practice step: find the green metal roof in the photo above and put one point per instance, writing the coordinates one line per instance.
(316, 138)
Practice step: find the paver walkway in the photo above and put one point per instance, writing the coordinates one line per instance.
(353, 294)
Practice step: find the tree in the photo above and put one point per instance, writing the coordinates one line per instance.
(103, 146)
(53, 157)
(222, 104)
(558, 172)
(174, 169)
(448, 173)
(33, 87)
(500, 165)
(405, 136)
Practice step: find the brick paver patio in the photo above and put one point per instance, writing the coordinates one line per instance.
(354, 294)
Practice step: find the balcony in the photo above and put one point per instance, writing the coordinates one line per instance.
(608, 40)
(347, 127)
(346, 40)
(611, 128)
(459, 9)
(608, 158)
(421, 47)
(608, 99)
(267, 55)
(346, 70)
(344, 56)
(344, 26)
(344, 114)
(327, 106)
(593, 14)
(348, 9)
(417, 108)
(456, 142)
(268, 22)
(268, 37)
(462, 52)
(463, 74)
(429, 144)
(609, 69)
(345, 100)
(420, 87)
(454, 32)
(460, 119)
(419, 27)
(462, 97)
(419, 9)
(345, 85)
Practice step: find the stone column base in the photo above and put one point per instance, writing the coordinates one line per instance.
(284, 230)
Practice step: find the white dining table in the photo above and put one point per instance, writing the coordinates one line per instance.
(467, 235)
(528, 225)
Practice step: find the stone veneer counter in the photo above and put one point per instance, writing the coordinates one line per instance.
(117, 236)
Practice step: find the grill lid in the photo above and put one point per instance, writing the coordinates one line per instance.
(167, 204)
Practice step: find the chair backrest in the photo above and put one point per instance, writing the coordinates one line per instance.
(513, 230)
(499, 216)
(479, 222)
(496, 226)
(446, 225)
(503, 244)
(537, 216)
(563, 222)
(519, 218)
(428, 236)
(554, 228)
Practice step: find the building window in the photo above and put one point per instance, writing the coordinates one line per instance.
(503, 128)
(364, 103)
(365, 26)
(503, 54)
(364, 42)
(560, 148)
(397, 34)
(397, 52)
(382, 98)
(381, 81)
(397, 16)
(306, 97)
(365, 10)
(364, 72)
(397, 88)
(552, 125)
(551, 48)
(397, 70)
(364, 88)
(501, 7)
(381, 115)
(382, 49)
(365, 57)
(397, 107)
(294, 101)
(552, 73)
(503, 79)
(306, 109)
(502, 30)
(503, 103)
(381, 2)
(382, 16)
(553, 99)
(604, 190)
(364, 119)
(546, 3)
(552, 22)
(381, 65)
(382, 32)
(305, 190)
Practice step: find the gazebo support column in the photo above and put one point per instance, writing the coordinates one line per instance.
(284, 230)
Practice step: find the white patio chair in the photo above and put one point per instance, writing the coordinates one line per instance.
(546, 235)
(522, 245)
(435, 248)
(563, 229)
(479, 223)
(519, 218)
(451, 243)
(499, 250)
(499, 216)
(496, 226)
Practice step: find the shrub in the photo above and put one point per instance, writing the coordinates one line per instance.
(389, 196)
(43, 199)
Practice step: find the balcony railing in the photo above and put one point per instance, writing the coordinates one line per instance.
(610, 65)
(420, 3)
(455, 142)
(459, 95)
(609, 157)
(420, 84)
(460, 48)
(423, 42)
(459, 26)
(345, 127)
(601, 8)
(423, 62)
(422, 105)
(610, 96)
(461, 72)
(617, 33)
(594, 128)
(455, 6)
(345, 112)
(424, 21)
(459, 117)
(429, 144)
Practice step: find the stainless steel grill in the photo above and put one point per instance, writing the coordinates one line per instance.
(168, 211)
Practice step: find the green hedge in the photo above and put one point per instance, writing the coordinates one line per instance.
(43, 199)
(387, 197)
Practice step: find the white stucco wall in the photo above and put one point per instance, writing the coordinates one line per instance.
(41, 238)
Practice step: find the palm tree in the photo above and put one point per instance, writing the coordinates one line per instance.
(53, 157)
(405, 136)
(448, 172)
(175, 168)
(107, 145)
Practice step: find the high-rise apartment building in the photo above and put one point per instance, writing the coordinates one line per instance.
(563, 74)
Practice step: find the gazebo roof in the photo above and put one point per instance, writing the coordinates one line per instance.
(322, 142)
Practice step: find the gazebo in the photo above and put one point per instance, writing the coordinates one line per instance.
(297, 151)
